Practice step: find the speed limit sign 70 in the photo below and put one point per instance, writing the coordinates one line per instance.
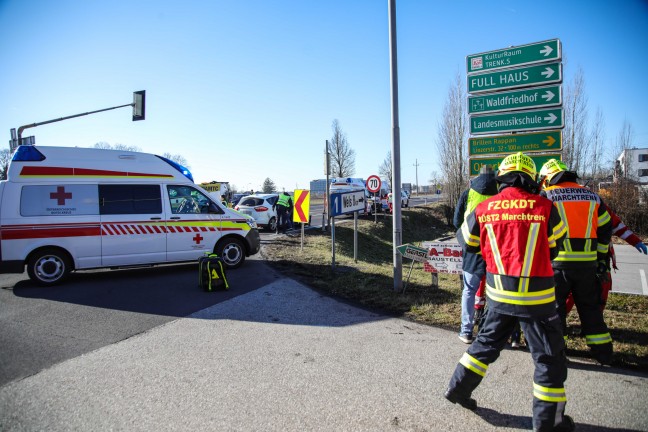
(373, 183)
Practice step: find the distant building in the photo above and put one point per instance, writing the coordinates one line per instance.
(633, 164)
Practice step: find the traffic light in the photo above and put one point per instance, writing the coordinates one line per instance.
(139, 105)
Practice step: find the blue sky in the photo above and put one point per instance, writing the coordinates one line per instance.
(248, 89)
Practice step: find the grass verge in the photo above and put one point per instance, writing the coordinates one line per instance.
(369, 281)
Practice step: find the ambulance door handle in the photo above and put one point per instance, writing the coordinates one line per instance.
(156, 218)
(175, 217)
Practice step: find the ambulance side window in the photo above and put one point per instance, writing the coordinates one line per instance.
(130, 199)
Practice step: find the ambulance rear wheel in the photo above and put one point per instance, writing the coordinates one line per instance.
(231, 251)
(49, 267)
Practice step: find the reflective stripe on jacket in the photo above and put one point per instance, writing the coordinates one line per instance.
(588, 225)
(518, 233)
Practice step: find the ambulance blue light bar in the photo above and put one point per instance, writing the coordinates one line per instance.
(185, 172)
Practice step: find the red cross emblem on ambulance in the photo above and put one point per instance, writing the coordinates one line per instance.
(60, 195)
(198, 238)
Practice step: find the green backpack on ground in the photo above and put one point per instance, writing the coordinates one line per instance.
(211, 273)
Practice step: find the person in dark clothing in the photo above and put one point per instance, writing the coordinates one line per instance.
(284, 205)
(481, 188)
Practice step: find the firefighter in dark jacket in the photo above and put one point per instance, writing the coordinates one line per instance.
(518, 233)
(581, 262)
(481, 188)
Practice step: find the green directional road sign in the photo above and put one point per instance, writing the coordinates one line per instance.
(413, 252)
(539, 159)
(533, 53)
(517, 121)
(536, 97)
(526, 76)
(528, 142)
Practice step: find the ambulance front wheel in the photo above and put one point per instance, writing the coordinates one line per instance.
(49, 267)
(231, 251)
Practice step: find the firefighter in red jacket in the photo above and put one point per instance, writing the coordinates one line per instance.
(620, 230)
(518, 233)
(580, 265)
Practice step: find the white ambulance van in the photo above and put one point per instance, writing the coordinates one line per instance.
(64, 209)
(351, 184)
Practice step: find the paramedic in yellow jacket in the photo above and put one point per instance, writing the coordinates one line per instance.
(581, 262)
(518, 233)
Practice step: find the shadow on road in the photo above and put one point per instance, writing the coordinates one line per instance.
(168, 290)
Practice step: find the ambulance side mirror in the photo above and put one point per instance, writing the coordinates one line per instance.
(139, 105)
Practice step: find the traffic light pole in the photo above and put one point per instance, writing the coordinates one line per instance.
(138, 113)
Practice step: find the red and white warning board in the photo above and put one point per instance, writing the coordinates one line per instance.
(443, 257)
(302, 205)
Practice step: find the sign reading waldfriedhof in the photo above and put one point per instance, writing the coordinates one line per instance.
(527, 142)
(539, 159)
(538, 52)
(517, 121)
(526, 76)
(536, 97)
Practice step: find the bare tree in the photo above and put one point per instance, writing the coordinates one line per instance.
(435, 180)
(341, 154)
(624, 142)
(386, 169)
(124, 147)
(451, 144)
(177, 158)
(576, 140)
(5, 157)
(594, 164)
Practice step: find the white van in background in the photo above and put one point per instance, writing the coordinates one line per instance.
(64, 209)
(352, 184)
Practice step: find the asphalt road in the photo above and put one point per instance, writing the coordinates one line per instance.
(40, 327)
(632, 276)
(287, 358)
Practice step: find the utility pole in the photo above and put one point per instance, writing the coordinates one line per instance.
(417, 165)
(396, 167)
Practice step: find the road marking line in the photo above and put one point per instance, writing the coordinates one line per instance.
(644, 283)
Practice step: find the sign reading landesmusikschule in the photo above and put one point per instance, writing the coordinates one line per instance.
(517, 121)
(537, 52)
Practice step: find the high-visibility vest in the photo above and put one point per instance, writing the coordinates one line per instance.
(588, 223)
(515, 232)
(284, 200)
(474, 198)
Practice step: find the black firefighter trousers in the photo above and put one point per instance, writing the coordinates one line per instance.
(586, 288)
(544, 338)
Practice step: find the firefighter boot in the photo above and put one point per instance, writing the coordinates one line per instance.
(464, 401)
(566, 425)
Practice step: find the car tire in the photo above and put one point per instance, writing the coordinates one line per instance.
(48, 267)
(231, 251)
(272, 224)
